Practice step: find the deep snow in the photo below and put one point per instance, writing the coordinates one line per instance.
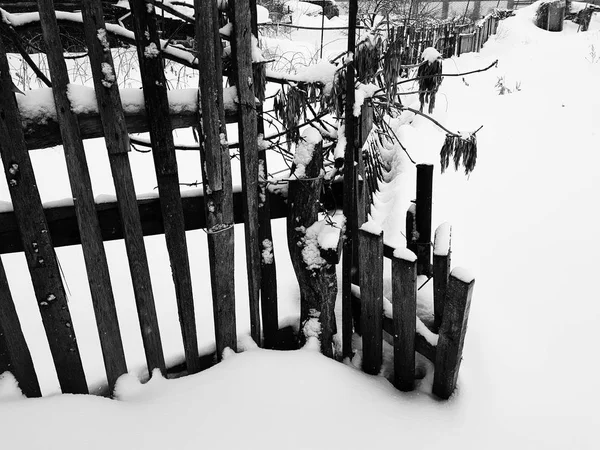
(524, 223)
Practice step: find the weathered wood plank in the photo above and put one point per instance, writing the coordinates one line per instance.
(62, 223)
(350, 157)
(404, 304)
(371, 292)
(243, 79)
(35, 240)
(423, 217)
(81, 188)
(410, 223)
(215, 160)
(441, 270)
(268, 266)
(117, 144)
(422, 346)
(165, 163)
(46, 133)
(14, 352)
(452, 333)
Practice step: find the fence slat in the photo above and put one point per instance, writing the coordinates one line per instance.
(117, 144)
(81, 188)
(404, 303)
(441, 270)
(243, 77)
(370, 248)
(350, 157)
(37, 245)
(423, 217)
(452, 333)
(218, 203)
(14, 353)
(163, 152)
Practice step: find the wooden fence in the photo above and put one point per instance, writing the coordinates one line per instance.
(440, 341)
(36, 231)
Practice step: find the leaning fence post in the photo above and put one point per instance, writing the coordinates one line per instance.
(370, 247)
(452, 333)
(404, 304)
(441, 270)
(423, 214)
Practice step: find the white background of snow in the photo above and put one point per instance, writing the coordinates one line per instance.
(526, 380)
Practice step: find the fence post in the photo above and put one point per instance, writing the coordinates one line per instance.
(14, 353)
(371, 293)
(404, 304)
(452, 332)
(218, 203)
(411, 220)
(423, 217)
(441, 270)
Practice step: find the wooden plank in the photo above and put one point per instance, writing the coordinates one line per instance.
(423, 217)
(62, 223)
(14, 352)
(44, 134)
(117, 144)
(441, 270)
(404, 304)
(410, 226)
(452, 333)
(268, 266)
(243, 79)
(371, 292)
(350, 157)
(422, 346)
(81, 188)
(165, 163)
(219, 209)
(35, 240)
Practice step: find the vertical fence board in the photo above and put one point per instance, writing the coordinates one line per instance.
(349, 186)
(14, 353)
(452, 333)
(39, 252)
(268, 267)
(423, 217)
(441, 270)
(117, 144)
(371, 293)
(163, 152)
(404, 303)
(218, 203)
(411, 228)
(83, 199)
(242, 55)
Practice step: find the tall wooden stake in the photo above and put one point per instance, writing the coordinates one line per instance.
(350, 157)
(423, 217)
(242, 54)
(37, 245)
(218, 202)
(163, 152)
(268, 267)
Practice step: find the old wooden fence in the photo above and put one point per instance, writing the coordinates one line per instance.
(36, 231)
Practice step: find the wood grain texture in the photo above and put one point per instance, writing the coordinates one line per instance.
(422, 346)
(350, 210)
(441, 274)
(117, 144)
(216, 165)
(404, 304)
(318, 287)
(165, 163)
(241, 44)
(35, 240)
(452, 336)
(370, 248)
(81, 188)
(423, 217)
(14, 352)
(268, 271)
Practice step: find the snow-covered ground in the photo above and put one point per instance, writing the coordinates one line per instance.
(524, 222)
